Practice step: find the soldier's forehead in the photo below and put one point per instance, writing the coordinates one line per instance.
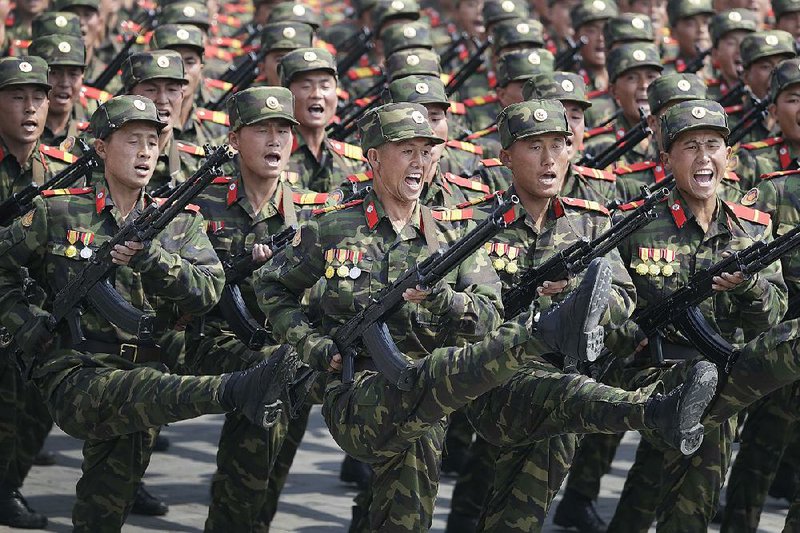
(701, 135)
(137, 127)
(414, 141)
(273, 121)
(315, 75)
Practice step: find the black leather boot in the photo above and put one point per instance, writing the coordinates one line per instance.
(576, 511)
(15, 511)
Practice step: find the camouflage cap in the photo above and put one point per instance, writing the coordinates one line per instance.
(785, 74)
(781, 7)
(529, 118)
(395, 122)
(59, 50)
(412, 61)
(679, 9)
(401, 36)
(692, 115)
(417, 90)
(305, 60)
(120, 110)
(563, 86)
(65, 5)
(287, 36)
(732, 20)
(386, 10)
(56, 23)
(674, 88)
(521, 65)
(629, 56)
(185, 13)
(255, 104)
(517, 32)
(495, 11)
(155, 65)
(766, 43)
(628, 28)
(24, 70)
(295, 12)
(591, 10)
(176, 36)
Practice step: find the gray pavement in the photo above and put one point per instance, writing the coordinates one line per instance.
(314, 500)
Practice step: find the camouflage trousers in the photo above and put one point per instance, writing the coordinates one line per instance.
(473, 486)
(400, 433)
(115, 407)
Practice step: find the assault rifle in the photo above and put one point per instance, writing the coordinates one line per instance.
(363, 43)
(576, 257)
(734, 95)
(452, 50)
(468, 69)
(240, 77)
(368, 326)
(697, 63)
(749, 121)
(231, 303)
(680, 308)
(570, 56)
(351, 112)
(21, 202)
(614, 116)
(631, 138)
(111, 70)
(92, 283)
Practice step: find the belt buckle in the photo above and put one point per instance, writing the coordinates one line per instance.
(129, 351)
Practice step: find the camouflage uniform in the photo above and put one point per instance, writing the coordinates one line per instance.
(742, 20)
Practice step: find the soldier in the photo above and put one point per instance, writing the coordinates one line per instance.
(688, 22)
(787, 16)
(727, 31)
(628, 28)
(109, 388)
(17, 21)
(317, 162)
(91, 27)
(281, 38)
(348, 251)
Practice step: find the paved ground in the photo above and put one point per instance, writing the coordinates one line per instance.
(313, 502)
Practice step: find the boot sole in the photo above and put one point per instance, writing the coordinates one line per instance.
(593, 336)
(701, 386)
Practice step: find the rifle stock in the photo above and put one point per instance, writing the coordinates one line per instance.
(363, 45)
(698, 61)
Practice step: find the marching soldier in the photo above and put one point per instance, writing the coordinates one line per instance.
(281, 38)
(727, 31)
(688, 22)
(17, 21)
(91, 27)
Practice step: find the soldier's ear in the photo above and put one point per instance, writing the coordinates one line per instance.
(665, 160)
(373, 157)
(773, 111)
(505, 158)
(100, 148)
(233, 140)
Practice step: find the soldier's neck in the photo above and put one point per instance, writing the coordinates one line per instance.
(187, 106)
(399, 212)
(56, 120)
(164, 138)
(703, 210)
(535, 207)
(258, 190)
(314, 137)
(21, 151)
(125, 198)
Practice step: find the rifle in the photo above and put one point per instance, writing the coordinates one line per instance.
(363, 44)
(631, 138)
(468, 69)
(92, 283)
(240, 77)
(232, 305)
(697, 63)
(575, 258)
(612, 118)
(734, 95)
(21, 202)
(567, 58)
(344, 129)
(111, 70)
(680, 307)
(368, 326)
(749, 121)
(452, 50)
(351, 111)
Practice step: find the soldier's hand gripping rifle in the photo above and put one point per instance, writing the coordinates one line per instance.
(368, 326)
(468, 69)
(575, 258)
(21, 202)
(568, 58)
(111, 70)
(611, 154)
(680, 309)
(749, 121)
(91, 284)
(232, 305)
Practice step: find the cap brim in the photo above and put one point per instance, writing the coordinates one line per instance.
(724, 131)
(45, 86)
(157, 123)
(276, 116)
(414, 135)
(530, 134)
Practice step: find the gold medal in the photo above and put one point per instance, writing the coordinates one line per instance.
(329, 272)
(641, 269)
(667, 271)
(71, 251)
(499, 264)
(512, 267)
(342, 271)
(653, 270)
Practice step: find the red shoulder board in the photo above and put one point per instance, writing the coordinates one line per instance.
(309, 198)
(584, 204)
(61, 192)
(466, 183)
(476, 201)
(452, 215)
(217, 84)
(467, 147)
(341, 94)
(480, 133)
(96, 94)
(192, 208)
(635, 167)
(630, 206)
(82, 126)
(731, 176)
(492, 162)
(337, 207)
(217, 117)
(218, 53)
(347, 150)
(595, 94)
(713, 82)
(363, 72)
(57, 154)
(327, 46)
(748, 213)
(458, 108)
(191, 149)
(222, 180)
(361, 177)
(595, 173)
(772, 141)
(480, 100)
(229, 20)
(778, 174)
(608, 128)
(731, 109)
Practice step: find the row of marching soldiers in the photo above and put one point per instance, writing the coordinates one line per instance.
(382, 130)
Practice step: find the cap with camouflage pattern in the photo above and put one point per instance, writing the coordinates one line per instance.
(305, 60)
(120, 110)
(628, 28)
(24, 70)
(517, 32)
(785, 74)
(782, 7)
(393, 123)
(767, 43)
(495, 11)
(386, 10)
(155, 65)
(529, 118)
(521, 65)
(412, 61)
(591, 10)
(691, 115)
(732, 20)
(401, 36)
(679, 9)
(65, 5)
(255, 104)
(185, 13)
(287, 36)
(672, 88)
(56, 23)
(295, 12)
(59, 50)
(177, 35)
(629, 56)
(417, 90)
(564, 86)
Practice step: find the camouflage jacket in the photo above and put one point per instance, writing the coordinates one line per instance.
(603, 105)
(488, 139)
(597, 144)
(44, 163)
(337, 161)
(763, 157)
(358, 251)
(76, 125)
(460, 158)
(482, 112)
(178, 275)
(204, 127)
(177, 162)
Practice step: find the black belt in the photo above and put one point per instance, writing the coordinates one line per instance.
(134, 353)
